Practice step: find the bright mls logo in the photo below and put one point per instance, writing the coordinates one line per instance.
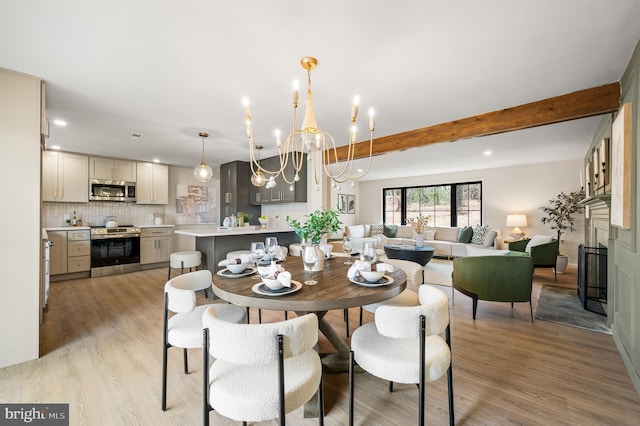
(34, 414)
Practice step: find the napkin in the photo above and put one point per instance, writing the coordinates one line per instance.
(244, 258)
(361, 265)
(276, 271)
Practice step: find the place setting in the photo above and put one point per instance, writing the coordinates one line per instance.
(367, 272)
(276, 281)
(237, 267)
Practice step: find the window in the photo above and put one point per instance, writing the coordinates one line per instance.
(457, 204)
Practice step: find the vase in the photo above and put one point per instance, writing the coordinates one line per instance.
(419, 240)
(561, 263)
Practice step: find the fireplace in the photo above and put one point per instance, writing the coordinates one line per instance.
(592, 278)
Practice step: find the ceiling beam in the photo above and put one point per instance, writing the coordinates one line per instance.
(572, 106)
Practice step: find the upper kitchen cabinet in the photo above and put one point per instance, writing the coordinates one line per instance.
(112, 168)
(152, 185)
(234, 191)
(65, 177)
(283, 192)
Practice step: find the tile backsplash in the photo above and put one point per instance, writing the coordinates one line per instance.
(95, 213)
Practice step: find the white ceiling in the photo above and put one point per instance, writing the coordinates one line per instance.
(170, 69)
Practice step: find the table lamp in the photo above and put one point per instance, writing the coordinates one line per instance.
(516, 220)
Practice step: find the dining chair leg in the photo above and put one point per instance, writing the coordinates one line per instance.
(351, 363)
(320, 404)
(390, 386)
(248, 315)
(186, 361)
(447, 334)
(531, 310)
(346, 320)
(361, 315)
(259, 316)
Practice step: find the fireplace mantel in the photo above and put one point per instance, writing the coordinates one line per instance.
(597, 201)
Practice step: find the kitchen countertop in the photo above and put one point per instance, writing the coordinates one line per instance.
(68, 228)
(213, 231)
(154, 226)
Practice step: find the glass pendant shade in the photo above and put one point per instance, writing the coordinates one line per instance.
(202, 172)
(257, 179)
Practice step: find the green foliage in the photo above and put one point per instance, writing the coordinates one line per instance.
(319, 224)
(560, 211)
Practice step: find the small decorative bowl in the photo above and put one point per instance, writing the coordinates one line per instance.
(272, 283)
(371, 276)
(237, 268)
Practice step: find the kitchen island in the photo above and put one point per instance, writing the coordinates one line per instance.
(215, 244)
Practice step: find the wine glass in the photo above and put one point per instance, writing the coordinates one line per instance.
(309, 258)
(271, 246)
(369, 252)
(347, 246)
(257, 251)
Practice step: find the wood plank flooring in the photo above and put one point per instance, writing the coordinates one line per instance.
(101, 352)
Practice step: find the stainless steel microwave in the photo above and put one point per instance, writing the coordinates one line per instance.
(112, 190)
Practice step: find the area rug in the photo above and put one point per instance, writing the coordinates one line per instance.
(562, 305)
(438, 271)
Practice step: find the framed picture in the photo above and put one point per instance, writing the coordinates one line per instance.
(342, 203)
(351, 204)
(621, 169)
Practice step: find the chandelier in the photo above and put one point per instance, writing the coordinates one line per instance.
(319, 145)
(203, 172)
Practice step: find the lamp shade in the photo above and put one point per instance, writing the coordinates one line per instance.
(516, 220)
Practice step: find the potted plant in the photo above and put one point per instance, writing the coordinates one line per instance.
(419, 225)
(318, 226)
(559, 213)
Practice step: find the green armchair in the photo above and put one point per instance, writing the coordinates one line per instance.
(494, 278)
(544, 255)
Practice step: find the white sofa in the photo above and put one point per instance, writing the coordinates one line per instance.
(443, 239)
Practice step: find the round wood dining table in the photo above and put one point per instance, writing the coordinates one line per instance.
(333, 291)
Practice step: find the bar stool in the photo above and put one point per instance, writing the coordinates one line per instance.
(183, 260)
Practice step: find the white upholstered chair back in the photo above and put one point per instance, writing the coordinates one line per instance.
(402, 322)
(254, 343)
(181, 290)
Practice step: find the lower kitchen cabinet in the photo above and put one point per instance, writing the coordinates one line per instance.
(71, 251)
(155, 245)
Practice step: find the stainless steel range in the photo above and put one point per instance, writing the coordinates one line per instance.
(114, 250)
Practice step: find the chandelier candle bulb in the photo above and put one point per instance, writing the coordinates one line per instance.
(296, 94)
(354, 109)
(372, 121)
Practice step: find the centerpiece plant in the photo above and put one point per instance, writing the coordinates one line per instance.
(319, 224)
(419, 225)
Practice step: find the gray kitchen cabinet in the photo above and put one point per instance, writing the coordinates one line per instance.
(282, 192)
(112, 168)
(65, 177)
(155, 245)
(235, 180)
(152, 185)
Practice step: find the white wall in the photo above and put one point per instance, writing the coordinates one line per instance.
(21, 241)
(519, 189)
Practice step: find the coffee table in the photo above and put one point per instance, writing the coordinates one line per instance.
(421, 255)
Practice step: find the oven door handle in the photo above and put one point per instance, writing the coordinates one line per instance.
(108, 237)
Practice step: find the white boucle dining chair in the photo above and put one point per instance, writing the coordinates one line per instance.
(184, 328)
(404, 345)
(261, 371)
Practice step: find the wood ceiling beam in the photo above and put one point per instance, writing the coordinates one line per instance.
(572, 106)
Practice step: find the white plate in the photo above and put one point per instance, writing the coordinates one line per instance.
(262, 289)
(228, 274)
(385, 280)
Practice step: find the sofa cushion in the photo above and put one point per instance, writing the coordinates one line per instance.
(478, 234)
(389, 231)
(429, 235)
(356, 231)
(537, 240)
(404, 231)
(377, 230)
(447, 234)
(466, 234)
(489, 238)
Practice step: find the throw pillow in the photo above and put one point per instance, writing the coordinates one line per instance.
(356, 231)
(429, 235)
(478, 234)
(489, 238)
(389, 231)
(377, 229)
(465, 235)
(537, 240)
(444, 233)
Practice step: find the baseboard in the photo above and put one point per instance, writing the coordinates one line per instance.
(633, 374)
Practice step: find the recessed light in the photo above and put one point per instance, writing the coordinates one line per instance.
(155, 160)
(59, 122)
(136, 135)
(487, 153)
(55, 146)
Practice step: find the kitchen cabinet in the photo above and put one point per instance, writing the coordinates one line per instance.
(155, 245)
(234, 191)
(152, 185)
(71, 251)
(112, 168)
(65, 177)
(282, 192)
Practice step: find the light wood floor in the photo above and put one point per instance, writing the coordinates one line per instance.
(101, 353)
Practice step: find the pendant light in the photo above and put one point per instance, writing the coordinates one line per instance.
(257, 178)
(202, 172)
